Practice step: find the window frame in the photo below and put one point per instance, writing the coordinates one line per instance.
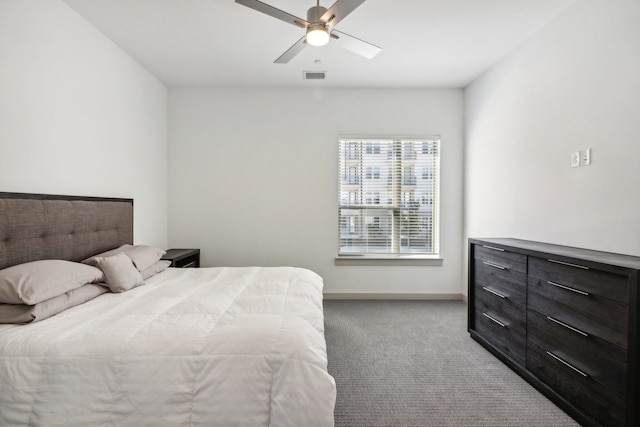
(398, 162)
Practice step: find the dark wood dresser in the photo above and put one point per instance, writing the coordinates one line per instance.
(565, 319)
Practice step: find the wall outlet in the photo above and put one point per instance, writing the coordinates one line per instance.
(575, 159)
(585, 157)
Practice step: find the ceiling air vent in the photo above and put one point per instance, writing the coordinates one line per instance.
(313, 75)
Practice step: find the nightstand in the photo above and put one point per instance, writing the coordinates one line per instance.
(183, 258)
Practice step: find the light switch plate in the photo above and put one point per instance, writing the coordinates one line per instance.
(575, 159)
(585, 157)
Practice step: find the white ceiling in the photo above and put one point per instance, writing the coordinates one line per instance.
(425, 43)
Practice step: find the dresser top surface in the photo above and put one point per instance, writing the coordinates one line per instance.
(529, 247)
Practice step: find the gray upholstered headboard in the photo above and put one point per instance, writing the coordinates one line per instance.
(38, 226)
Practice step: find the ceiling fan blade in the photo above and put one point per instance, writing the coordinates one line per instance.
(354, 44)
(339, 11)
(292, 51)
(274, 12)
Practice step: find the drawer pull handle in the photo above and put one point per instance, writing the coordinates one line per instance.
(493, 248)
(494, 265)
(491, 291)
(568, 263)
(584, 334)
(494, 320)
(558, 285)
(567, 364)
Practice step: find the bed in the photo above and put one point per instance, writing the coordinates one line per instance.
(189, 347)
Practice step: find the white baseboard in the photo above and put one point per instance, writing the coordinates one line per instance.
(392, 296)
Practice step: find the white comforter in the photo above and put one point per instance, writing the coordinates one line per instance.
(193, 347)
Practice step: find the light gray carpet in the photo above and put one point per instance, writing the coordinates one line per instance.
(412, 363)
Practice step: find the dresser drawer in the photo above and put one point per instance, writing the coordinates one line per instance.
(501, 272)
(512, 285)
(501, 308)
(584, 392)
(602, 361)
(595, 315)
(500, 258)
(581, 280)
(504, 329)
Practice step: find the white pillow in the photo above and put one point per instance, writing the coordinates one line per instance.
(143, 256)
(156, 268)
(36, 281)
(119, 272)
(22, 313)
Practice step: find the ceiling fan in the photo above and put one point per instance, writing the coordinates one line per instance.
(319, 27)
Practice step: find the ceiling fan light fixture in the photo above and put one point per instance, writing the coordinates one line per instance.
(317, 35)
(319, 27)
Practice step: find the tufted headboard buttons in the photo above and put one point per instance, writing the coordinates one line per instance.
(36, 226)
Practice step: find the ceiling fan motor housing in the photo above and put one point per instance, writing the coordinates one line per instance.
(315, 13)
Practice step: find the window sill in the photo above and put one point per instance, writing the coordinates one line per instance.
(400, 260)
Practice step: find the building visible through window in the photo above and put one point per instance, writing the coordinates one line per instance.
(389, 196)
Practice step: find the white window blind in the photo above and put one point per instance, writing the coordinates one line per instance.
(388, 196)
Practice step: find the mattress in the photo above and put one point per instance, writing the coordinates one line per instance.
(192, 347)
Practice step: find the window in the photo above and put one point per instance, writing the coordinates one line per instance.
(373, 147)
(373, 198)
(351, 176)
(352, 151)
(430, 147)
(427, 172)
(388, 196)
(373, 172)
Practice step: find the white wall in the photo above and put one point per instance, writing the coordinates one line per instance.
(78, 116)
(574, 85)
(253, 178)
